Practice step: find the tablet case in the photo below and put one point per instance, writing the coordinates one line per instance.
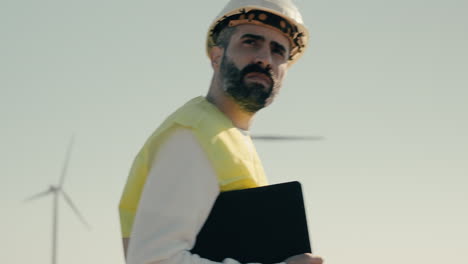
(264, 225)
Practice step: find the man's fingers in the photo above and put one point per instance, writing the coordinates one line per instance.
(306, 258)
(314, 259)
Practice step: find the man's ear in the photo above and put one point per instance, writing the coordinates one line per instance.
(216, 55)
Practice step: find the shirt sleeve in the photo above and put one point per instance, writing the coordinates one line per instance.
(179, 193)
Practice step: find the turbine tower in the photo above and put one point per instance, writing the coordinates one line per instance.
(57, 190)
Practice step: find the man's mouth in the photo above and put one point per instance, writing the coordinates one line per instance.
(259, 78)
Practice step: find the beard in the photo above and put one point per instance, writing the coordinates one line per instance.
(253, 96)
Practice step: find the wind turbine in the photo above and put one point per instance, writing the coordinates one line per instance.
(57, 190)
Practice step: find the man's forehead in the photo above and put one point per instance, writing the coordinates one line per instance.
(269, 34)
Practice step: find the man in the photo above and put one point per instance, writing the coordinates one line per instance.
(204, 147)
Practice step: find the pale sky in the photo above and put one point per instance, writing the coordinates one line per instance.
(383, 81)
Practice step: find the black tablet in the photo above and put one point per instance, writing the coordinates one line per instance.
(264, 225)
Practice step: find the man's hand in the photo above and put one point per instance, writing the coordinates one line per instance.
(306, 258)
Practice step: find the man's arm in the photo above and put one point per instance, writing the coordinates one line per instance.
(179, 192)
(177, 198)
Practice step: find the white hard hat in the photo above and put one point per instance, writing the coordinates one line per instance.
(281, 15)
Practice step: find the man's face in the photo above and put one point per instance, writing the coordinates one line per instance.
(253, 66)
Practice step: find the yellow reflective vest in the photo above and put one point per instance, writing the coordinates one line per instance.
(235, 162)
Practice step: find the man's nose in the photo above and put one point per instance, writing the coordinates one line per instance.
(263, 57)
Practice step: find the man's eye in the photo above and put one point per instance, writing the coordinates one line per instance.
(249, 41)
(279, 52)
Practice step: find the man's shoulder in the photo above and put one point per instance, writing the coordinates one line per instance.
(178, 125)
(197, 119)
(197, 114)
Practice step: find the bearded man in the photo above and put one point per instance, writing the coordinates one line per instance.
(204, 147)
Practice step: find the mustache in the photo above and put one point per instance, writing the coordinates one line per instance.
(258, 69)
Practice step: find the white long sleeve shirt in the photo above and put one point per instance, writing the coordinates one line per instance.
(177, 198)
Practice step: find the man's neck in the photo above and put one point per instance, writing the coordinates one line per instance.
(239, 118)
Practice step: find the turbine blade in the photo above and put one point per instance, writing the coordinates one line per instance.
(39, 195)
(284, 138)
(75, 209)
(65, 163)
